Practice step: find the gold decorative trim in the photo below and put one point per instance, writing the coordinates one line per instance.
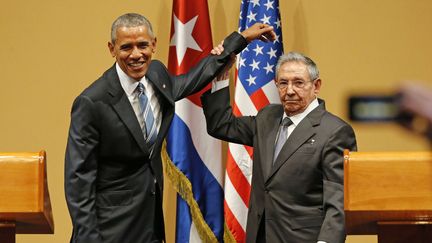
(228, 236)
(183, 187)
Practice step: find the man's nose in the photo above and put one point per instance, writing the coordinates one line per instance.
(135, 53)
(290, 89)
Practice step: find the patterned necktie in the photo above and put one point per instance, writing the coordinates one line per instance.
(149, 129)
(282, 136)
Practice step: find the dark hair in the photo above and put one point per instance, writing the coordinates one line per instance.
(130, 20)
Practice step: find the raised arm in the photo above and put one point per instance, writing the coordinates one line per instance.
(207, 69)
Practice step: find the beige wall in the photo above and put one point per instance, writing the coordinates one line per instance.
(51, 50)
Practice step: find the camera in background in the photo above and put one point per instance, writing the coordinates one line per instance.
(386, 108)
(374, 108)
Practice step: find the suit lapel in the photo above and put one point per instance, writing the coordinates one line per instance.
(304, 130)
(161, 85)
(123, 108)
(269, 132)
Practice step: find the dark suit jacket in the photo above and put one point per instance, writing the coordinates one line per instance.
(112, 184)
(299, 199)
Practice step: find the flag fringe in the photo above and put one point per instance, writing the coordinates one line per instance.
(228, 236)
(183, 187)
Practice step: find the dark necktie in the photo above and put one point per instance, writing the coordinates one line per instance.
(149, 129)
(282, 136)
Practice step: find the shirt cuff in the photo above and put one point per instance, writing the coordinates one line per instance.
(320, 241)
(218, 85)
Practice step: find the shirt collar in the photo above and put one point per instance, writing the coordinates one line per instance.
(128, 84)
(296, 119)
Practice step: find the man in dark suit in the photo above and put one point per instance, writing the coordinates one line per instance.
(297, 180)
(113, 169)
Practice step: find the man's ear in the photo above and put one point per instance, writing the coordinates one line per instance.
(154, 45)
(111, 48)
(317, 86)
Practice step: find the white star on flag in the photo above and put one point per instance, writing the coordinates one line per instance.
(254, 65)
(278, 23)
(183, 39)
(241, 62)
(272, 53)
(251, 16)
(266, 19)
(269, 4)
(269, 68)
(255, 3)
(251, 80)
(277, 38)
(258, 50)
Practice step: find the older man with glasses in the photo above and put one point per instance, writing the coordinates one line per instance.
(297, 182)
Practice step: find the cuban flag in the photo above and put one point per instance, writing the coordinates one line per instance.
(255, 88)
(195, 166)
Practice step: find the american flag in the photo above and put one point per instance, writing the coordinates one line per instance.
(255, 89)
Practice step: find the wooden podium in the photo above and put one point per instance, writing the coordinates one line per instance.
(25, 206)
(389, 194)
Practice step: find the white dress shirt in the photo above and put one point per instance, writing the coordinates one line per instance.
(129, 85)
(296, 119)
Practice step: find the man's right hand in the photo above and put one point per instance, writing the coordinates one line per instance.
(260, 31)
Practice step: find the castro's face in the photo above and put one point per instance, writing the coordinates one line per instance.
(133, 50)
(296, 90)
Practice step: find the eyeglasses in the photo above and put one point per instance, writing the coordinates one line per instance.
(296, 84)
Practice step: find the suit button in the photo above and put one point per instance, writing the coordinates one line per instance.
(153, 192)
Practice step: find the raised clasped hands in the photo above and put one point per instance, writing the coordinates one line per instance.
(263, 32)
(260, 31)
